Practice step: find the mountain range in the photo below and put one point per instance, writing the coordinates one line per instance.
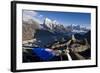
(30, 27)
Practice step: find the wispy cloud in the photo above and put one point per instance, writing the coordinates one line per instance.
(41, 16)
(29, 14)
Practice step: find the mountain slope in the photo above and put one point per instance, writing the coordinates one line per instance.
(28, 29)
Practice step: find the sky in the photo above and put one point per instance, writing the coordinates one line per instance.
(65, 18)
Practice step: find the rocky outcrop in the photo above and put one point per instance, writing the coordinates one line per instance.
(28, 29)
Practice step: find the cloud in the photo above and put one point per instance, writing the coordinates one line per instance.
(29, 14)
(40, 16)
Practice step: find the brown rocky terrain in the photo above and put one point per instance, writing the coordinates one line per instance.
(28, 29)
